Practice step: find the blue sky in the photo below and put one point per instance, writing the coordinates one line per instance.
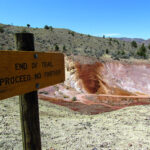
(113, 18)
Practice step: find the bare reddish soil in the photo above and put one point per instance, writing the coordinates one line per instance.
(102, 87)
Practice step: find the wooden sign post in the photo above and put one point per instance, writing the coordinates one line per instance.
(29, 109)
(24, 72)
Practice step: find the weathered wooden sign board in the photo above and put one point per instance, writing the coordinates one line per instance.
(23, 72)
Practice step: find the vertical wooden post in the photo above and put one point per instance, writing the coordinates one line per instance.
(29, 110)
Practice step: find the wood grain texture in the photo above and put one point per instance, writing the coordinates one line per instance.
(28, 102)
(22, 72)
(29, 115)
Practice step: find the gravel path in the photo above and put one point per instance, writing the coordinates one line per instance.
(63, 129)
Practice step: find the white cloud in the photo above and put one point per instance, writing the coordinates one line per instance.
(108, 34)
(112, 34)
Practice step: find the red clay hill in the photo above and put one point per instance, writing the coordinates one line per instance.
(95, 87)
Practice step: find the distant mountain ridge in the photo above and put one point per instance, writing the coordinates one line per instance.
(138, 40)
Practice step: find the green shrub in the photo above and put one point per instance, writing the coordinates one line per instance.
(110, 43)
(28, 25)
(142, 51)
(149, 46)
(117, 55)
(116, 41)
(1, 29)
(51, 28)
(134, 44)
(65, 96)
(71, 32)
(122, 52)
(118, 52)
(75, 52)
(46, 27)
(74, 98)
(107, 51)
(110, 39)
(64, 48)
(56, 47)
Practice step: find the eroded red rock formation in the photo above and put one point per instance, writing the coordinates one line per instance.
(115, 78)
(100, 87)
(89, 74)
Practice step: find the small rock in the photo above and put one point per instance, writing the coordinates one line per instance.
(94, 148)
(105, 144)
(130, 144)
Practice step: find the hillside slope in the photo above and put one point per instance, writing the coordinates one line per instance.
(70, 42)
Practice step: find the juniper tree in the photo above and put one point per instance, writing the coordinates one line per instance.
(134, 44)
(142, 51)
(28, 25)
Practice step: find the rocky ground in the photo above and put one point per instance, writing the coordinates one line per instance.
(64, 129)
